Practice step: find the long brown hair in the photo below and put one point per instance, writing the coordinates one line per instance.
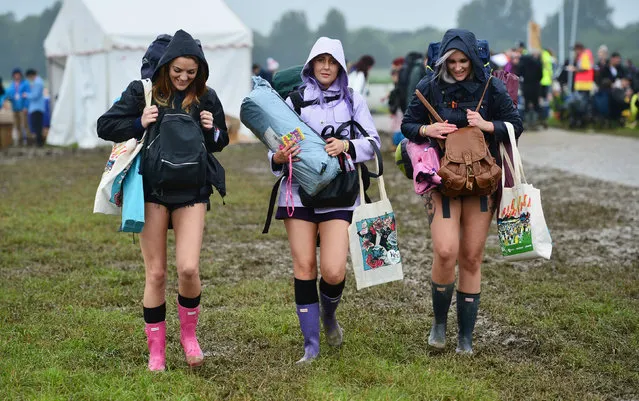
(163, 87)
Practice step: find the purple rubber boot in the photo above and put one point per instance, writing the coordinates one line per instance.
(310, 325)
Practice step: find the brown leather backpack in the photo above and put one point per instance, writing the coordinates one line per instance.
(467, 167)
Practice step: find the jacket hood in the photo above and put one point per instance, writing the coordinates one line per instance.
(326, 45)
(181, 45)
(466, 42)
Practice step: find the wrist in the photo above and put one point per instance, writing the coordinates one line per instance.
(346, 145)
(489, 127)
(422, 131)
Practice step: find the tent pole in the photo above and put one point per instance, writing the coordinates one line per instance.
(573, 38)
(562, 34)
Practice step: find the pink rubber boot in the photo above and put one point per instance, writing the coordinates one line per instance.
(188, 323)
(156, 340)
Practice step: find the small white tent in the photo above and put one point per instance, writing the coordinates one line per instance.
(95, 48)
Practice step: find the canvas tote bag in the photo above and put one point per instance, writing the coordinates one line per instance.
(522, 229)
(108, 197)
(372, 234)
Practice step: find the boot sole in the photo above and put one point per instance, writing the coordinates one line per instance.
(195, 362)
(336, 341)
(464, 352)
(305, 361)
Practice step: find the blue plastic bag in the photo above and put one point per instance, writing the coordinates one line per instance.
(133, 199)
(275, 124)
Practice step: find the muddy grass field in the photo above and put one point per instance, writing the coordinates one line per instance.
(71, 323)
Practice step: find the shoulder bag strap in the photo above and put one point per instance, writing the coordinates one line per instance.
(432, 111)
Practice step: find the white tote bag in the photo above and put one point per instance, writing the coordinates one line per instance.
(120, 159)
(373, 240)
(521, 225)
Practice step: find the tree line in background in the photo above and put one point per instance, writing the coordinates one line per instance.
(22, 43)
(501, 22)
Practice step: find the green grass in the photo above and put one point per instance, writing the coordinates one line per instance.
(379, 76)
(71, 289)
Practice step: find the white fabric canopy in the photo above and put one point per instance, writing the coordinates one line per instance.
(95, 48)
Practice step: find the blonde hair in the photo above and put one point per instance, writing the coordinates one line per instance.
(442, 69)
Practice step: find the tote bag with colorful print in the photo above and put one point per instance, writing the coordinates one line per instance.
(522, 229)
(374, 247)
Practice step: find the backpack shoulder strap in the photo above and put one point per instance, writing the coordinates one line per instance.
(271, 205)
(297, 98)
(481, 99)
(148, 90)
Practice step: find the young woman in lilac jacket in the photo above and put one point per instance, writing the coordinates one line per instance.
(324, 77)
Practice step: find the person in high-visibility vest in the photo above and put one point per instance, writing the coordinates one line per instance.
(584, 79)
(548, 64)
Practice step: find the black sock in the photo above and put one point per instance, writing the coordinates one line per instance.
(331, 290)
(189, 302)
(155, 315)
(306, 292)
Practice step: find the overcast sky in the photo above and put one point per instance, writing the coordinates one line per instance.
(396, 15)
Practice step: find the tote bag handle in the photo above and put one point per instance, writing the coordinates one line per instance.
(515, 165)
(380, 177)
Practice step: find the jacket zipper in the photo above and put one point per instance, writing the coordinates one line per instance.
(178, 164)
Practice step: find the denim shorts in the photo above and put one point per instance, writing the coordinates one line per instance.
(174, 206)
(308, 214)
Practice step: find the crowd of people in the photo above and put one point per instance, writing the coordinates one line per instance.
(28, 100)
(588, 92)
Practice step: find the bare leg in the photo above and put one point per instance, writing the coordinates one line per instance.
(153, 246)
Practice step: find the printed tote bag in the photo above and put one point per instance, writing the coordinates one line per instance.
(108, 197)
(521, 225)
(373, 240)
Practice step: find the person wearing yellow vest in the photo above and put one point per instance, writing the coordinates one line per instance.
(547, 63)
(584, 69)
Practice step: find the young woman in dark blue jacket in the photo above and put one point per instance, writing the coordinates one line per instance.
(179, 90)
(459, 226)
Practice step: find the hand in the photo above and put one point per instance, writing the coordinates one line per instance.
(206, 119)
(149, 115)
(334, 146)
(281, 156)
(476, 120)
(440, 130)
(25, 95)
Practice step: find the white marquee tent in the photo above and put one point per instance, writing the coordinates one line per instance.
(95, 48)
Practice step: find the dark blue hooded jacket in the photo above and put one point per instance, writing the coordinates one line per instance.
(497, 105)
(122, 121)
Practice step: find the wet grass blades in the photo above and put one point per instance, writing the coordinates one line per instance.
(71, 288)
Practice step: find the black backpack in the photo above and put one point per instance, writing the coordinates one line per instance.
(297, 98)
(175, 156)
(404, 76)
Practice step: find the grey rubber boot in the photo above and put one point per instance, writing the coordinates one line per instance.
(332, 329)
(467, 306)
(442, 294)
